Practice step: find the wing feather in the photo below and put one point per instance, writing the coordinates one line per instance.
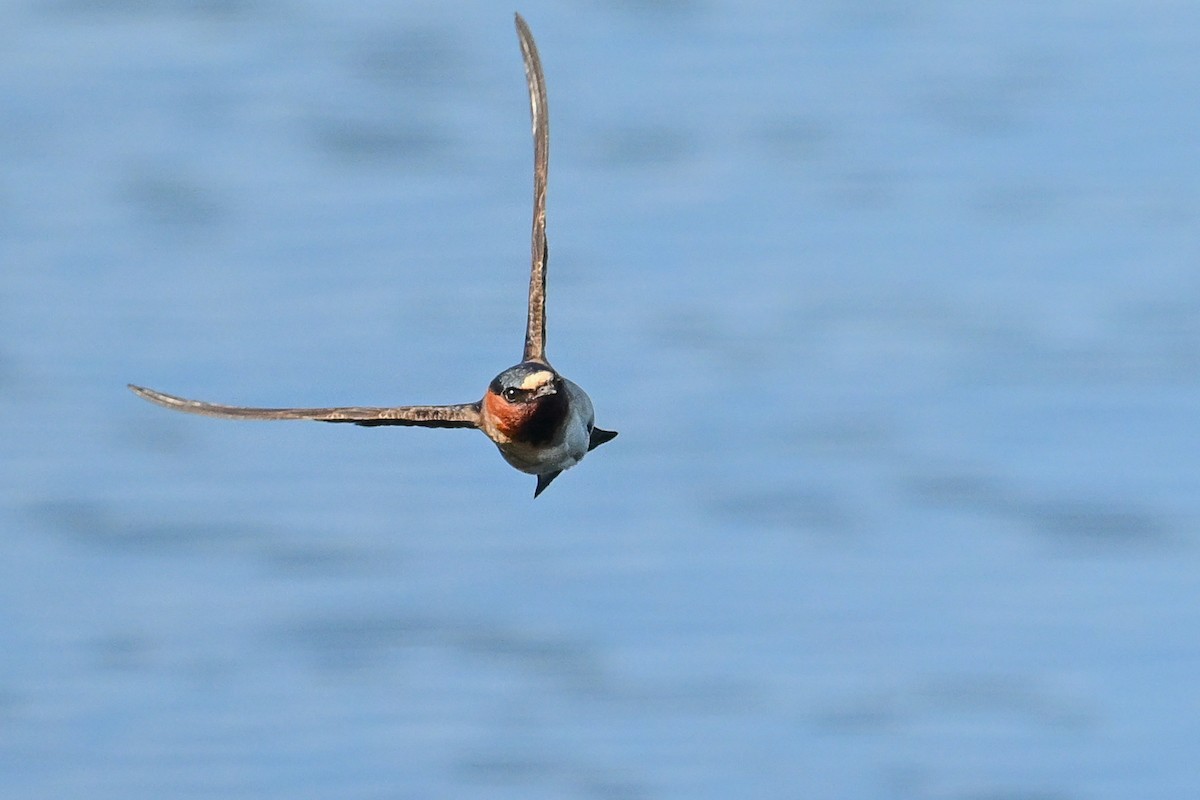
(535, 328)
(465, 415)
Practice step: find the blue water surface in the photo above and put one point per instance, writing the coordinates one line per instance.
(895, 305)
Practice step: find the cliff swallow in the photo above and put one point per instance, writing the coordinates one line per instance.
(541, 422)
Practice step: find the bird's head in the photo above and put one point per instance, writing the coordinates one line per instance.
(525, 403)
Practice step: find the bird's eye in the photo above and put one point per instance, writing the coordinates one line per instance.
(511, 394)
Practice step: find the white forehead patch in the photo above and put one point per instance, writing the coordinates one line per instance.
(537, 379)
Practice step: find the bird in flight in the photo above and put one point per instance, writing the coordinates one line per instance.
(541, 422)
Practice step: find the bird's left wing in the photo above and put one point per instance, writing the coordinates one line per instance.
(465, 415)
(535, 328)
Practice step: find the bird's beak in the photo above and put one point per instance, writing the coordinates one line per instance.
(545, 389)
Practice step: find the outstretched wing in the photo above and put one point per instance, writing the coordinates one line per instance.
(465, 415)
(535, 328)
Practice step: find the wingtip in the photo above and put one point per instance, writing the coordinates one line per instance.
(600, 436)
(158, 398)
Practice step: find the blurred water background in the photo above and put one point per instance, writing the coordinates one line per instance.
(895, 305)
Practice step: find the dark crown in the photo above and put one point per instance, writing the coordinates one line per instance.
(518, 377)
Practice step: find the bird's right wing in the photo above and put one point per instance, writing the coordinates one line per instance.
(465, 415)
